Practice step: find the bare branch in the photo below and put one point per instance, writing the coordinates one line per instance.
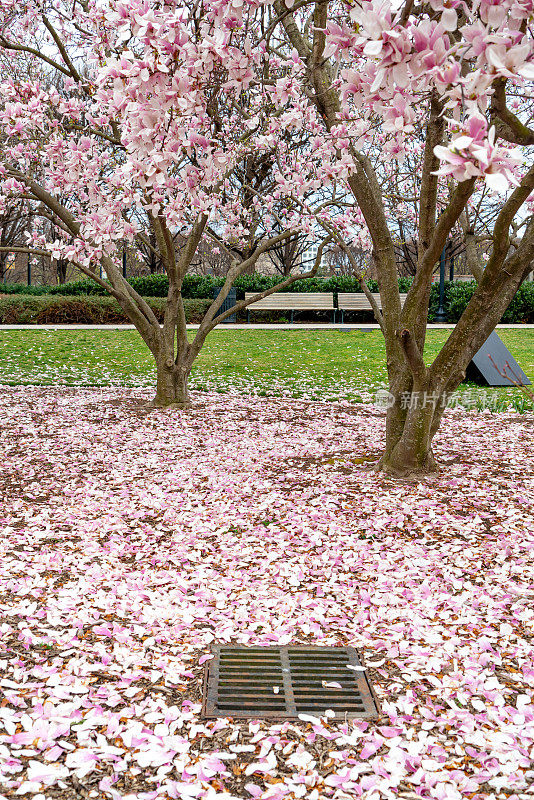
(509, 374)
(7, 45)
(30, 250)
(406, 11)
(210, 321)
(282, 285)
(62, 49)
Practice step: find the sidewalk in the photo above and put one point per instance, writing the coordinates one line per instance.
(312, 326)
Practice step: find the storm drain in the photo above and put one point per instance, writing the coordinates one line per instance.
(283, 682)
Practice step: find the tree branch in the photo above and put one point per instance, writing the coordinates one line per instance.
(492, 296)
(282, 285)
(428, 194)
(7, 45)
(365, 289)
(501, 229)
(509, 127)
(210, 321)
(30, 250)
(62, 49)
(413, 356)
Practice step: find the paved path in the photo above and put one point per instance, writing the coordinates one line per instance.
(237, 327)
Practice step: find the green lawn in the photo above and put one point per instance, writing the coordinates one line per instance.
(325, 364)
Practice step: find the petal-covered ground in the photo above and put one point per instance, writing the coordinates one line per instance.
(131, 540)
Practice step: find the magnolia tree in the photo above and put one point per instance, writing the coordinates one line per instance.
(435, 100)
(248, 121)
(123, 117)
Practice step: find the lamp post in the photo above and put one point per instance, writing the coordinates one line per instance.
(29, 270)
(441, 316)
(124, 263)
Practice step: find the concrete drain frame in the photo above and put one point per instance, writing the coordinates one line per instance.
(278, 683)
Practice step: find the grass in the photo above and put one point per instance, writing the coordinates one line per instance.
(317, 364)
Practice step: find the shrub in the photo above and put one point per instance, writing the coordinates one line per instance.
(202, 286)
(21, 288)
(458, 295)
(151, 285)
(73, 288)
(76, 288)
(84, 309)
(521, 309)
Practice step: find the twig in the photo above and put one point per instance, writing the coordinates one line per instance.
(513, 377)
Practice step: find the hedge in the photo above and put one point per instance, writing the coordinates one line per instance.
(458, 294)
(85, 309)
(198, 287)
(201, 286)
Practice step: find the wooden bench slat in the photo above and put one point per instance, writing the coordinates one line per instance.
(315, 301)
(357, 301)
(288, 301)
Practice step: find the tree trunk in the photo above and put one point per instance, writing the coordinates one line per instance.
(62, 265)
(411, 425)
(172, 385)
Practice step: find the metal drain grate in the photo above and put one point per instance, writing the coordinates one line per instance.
(283, 682)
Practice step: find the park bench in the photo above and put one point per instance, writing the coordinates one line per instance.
(290, 301)
(357, 301)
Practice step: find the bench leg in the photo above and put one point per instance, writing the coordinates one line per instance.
(292, 316)
(248, 316)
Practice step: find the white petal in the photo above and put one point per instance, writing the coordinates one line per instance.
(527, 71)
(373, 48)
(497, 181)
(449, 19)
(462, 142)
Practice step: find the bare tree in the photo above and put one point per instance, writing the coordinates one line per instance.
(358, 263)
(286, 256)
(14, 222)
(407, 253)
